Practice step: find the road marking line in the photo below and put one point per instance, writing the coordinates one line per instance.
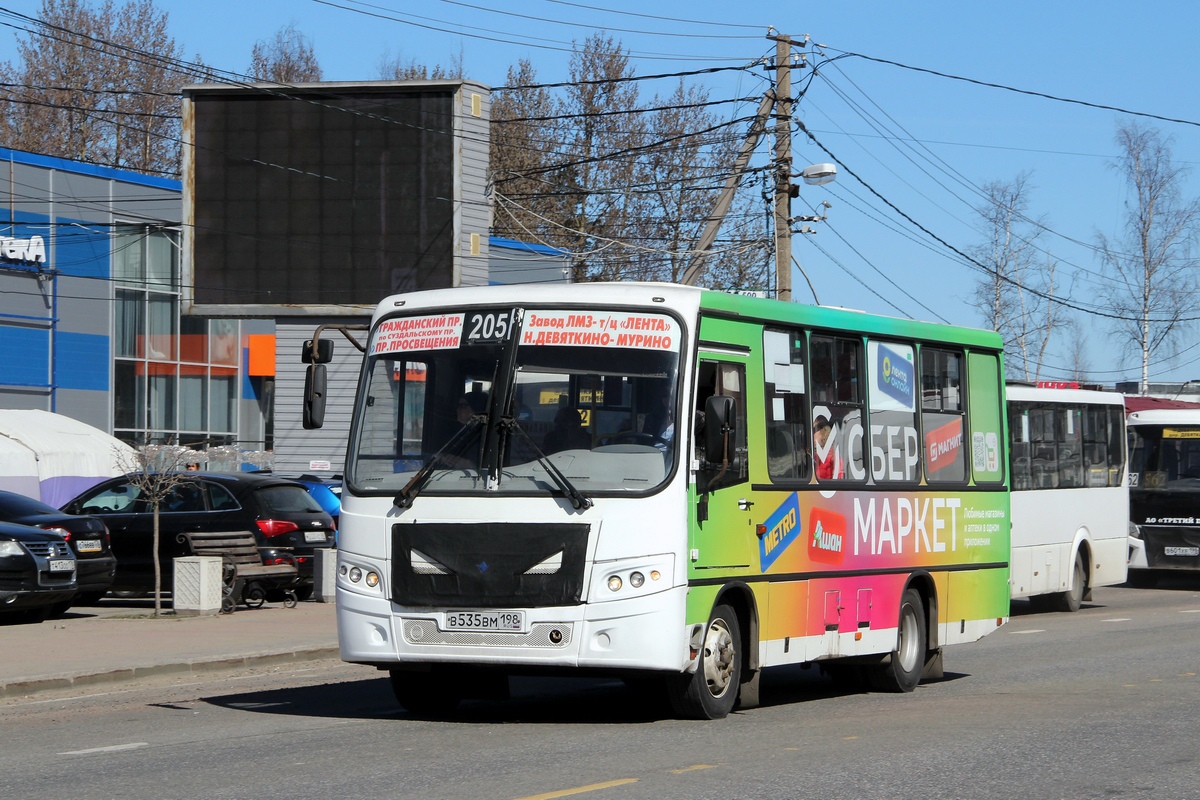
(110, 749)
(580, 789)
(1190, 611)
(691, 768)
(1022, 633)
(1117, 619)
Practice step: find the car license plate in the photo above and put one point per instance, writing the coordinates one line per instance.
(511, 621)
(88, 545)
(314, 536)
(1181, 551)
(62, 565)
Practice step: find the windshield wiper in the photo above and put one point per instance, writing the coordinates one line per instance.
(579, 500)
(455, 447)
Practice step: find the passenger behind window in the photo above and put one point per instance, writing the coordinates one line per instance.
(567, 433)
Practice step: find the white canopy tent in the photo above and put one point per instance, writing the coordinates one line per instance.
(52, 458)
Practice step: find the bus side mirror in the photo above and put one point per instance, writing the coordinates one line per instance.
(314, 396)
(720, 417)
(321, 354)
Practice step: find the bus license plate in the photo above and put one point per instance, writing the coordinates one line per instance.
(1181, 551)
(508, 621)
(62, 565)
(88, 545)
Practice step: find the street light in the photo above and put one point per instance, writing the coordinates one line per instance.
(819, 174)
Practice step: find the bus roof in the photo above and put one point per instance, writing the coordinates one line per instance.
(691, 299)
(1034, 394)
(1165, 416)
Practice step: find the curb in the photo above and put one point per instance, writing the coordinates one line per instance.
(23, 687)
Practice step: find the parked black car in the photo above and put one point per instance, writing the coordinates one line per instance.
(95, 565)
(280, 513)
(37, 572)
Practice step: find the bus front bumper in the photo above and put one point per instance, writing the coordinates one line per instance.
(644, 633)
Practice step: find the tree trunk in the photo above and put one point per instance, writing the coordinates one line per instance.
(157, 568)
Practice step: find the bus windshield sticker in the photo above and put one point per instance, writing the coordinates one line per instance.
(601, 329)
(435, 332)
(1181, 433)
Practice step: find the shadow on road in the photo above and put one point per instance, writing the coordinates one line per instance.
(532, 700)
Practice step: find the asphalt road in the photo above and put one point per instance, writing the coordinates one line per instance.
(1101, 703)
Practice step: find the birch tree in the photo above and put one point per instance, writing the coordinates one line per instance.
(1150, 261)
(1016, 296)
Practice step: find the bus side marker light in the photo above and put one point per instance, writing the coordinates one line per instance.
(858, 636)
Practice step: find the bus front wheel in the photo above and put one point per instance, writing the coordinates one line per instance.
(902, 673)
(711, 691)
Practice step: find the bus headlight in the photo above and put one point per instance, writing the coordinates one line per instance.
(355, 575)
(372, 579)
(634, 577)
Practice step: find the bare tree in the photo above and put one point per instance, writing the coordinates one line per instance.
(1151, 262)
(287, 58)
(597, 176)
(395, 68)
(154, 470)
(1016, 297)
(98, 85)
(1077, 351)
(524, 133)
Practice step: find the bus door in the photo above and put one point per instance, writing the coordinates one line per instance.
(723, 532)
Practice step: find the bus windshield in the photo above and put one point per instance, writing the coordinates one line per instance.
(1165, 457)
(517, 394)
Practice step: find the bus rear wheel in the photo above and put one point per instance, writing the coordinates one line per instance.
(902, 673)
(1072, 599)
(430, 693)
(711, 691)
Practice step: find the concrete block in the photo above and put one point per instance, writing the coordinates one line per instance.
(198, 587)
(325, 575)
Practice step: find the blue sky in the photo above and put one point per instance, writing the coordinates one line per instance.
(959, 135)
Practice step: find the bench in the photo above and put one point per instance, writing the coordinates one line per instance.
(246, 578)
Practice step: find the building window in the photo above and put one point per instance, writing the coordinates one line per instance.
(175, 378)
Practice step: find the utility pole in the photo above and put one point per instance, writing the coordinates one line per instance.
(783, 166)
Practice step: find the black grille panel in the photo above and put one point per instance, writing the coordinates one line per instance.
(488, 565)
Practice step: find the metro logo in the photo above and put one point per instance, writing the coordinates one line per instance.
(827, 539)
(782, 528)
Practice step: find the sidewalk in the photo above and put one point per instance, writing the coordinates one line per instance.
(120, 640)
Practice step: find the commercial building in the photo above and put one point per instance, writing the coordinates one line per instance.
(90, 312)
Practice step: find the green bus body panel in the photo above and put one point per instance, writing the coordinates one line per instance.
(794, 548)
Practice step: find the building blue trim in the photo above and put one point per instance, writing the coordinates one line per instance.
(513, 244)
(81, 361)
(95, 170)
(27, 356)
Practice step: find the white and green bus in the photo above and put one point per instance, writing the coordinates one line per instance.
(658, 481)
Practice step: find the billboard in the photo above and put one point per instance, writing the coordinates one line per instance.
(320, 198)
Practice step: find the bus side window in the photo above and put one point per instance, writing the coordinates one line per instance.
(787, 446)
(722, 379)
(837, 409)
(943, 417)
